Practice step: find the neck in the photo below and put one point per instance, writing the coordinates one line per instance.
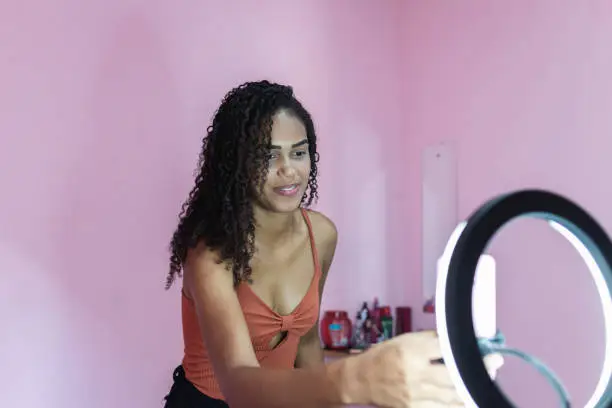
(272, 228)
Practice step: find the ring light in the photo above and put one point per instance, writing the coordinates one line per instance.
(462, 351)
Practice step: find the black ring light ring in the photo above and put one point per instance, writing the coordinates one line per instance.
(481, 226)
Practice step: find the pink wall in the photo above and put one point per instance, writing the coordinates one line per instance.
(524, 90)
(102, 107)
(102, 110)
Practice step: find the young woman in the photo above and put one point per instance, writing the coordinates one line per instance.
(255, 261)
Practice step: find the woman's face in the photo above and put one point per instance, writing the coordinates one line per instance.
(289, 164)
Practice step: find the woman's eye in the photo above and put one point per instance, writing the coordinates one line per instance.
(300, 154)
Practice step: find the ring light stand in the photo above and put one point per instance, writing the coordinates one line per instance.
(462, 351)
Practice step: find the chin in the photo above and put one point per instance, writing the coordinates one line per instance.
(284, 204)
(285, 207)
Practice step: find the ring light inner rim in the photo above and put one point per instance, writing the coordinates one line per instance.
(595, 261)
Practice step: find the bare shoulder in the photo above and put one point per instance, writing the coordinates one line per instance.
(204, 265)
(326, 238)
(323, 227)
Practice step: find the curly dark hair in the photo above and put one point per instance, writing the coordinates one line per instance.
(231, 168)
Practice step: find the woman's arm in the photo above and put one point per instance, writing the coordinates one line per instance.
(243, 383)
(310, 353)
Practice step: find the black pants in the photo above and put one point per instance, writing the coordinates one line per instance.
(184, 394)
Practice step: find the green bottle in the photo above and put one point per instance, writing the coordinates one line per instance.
(386, 322)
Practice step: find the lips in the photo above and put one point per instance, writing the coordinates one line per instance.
(288, 190)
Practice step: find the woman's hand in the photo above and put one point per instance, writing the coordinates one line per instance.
(399, 374)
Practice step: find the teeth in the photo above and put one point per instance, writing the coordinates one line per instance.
(288, 188)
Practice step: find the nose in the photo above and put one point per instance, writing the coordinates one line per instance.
(286, 169)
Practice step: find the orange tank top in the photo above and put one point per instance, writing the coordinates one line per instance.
(263, 323)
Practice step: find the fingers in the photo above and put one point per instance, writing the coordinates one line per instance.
(426, 392)
(439, 376)
(435, 386)
(415, 337)
(430, 349)
(426, 334)
(430, 384)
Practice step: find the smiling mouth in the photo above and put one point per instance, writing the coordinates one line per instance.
(288, 190)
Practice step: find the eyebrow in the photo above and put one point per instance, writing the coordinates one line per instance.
(293, 146)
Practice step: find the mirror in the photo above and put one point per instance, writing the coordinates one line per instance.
(439, 208)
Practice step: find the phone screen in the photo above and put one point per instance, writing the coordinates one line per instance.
(484, 299)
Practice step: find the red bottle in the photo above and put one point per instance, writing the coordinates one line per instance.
(336, 330)
(403, 320)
